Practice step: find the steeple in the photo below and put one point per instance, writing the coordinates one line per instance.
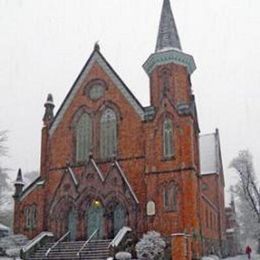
(168, 37)
(168, 47)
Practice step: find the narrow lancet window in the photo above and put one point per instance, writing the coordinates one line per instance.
(83, 137)
(170, 197)
(108, 134)
(168, 138)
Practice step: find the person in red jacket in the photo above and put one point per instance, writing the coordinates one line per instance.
(248, 251)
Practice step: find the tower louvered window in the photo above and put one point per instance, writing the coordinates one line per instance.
(168, 138)
(83, 137)
(108, 134)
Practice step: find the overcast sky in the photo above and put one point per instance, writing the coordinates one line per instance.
(45, 43)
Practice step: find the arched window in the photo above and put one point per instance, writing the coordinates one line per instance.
(170, 197)
(167, 138)
(83, 137)
(108, 134)
(30, 217)
(33, 217)
(27, 217)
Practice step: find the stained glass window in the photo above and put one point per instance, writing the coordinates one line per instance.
(168, 138)
(83, 137)
(108, 134)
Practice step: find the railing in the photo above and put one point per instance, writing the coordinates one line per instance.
(119, 236)
(53, 246)
(36, 240)
(86, 243)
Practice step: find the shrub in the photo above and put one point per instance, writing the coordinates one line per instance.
(151, 246)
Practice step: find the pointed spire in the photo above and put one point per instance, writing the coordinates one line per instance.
(49, 107)
(168, 37)
(19, 184)
(19, 178)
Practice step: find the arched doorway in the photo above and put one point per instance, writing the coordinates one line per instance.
(72, 228)
(119, 218)
(95, 219)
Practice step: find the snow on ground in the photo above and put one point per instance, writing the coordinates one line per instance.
(243, 257)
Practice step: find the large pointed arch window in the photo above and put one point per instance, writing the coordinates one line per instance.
(168, 138)
(108, 134)
(83, 137)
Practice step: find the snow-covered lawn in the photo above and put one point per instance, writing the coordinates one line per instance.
(244, 257)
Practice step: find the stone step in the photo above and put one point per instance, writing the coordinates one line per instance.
(94, 250)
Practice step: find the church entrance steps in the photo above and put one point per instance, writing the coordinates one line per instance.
(95, 250)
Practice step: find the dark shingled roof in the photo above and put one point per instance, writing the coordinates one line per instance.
(168, 37)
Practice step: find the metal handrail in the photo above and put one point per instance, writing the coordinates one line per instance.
(85, 244)
(119, 236)
(53, 246)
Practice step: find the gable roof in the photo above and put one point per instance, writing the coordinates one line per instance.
(96, 57)
(210, 154)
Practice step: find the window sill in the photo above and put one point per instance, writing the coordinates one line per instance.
(168, 158)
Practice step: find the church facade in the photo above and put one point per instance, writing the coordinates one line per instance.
(109, 162)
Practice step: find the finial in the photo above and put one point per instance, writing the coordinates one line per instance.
(97, 46)
(19, 178)
(50, 98)
(49, 107)
(90, 155)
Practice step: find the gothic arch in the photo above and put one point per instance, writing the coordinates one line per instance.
(82, 126)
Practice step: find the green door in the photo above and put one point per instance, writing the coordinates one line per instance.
(118, 218)
(72, 225)
(95, 220)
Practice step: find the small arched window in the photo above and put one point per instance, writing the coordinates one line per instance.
(170, 197)
(167, 138)
(83, 137)
(108, 134)
(27, 217)
(30, 217)
(33, 217)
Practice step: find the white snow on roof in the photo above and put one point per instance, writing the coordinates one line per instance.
(3, 227)
(208, 154)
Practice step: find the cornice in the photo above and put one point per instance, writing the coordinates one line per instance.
(169, 56)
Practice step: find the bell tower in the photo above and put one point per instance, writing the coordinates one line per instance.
(169, 68)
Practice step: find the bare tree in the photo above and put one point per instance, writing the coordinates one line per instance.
(248, 192)
(3, 139)
(5, 197)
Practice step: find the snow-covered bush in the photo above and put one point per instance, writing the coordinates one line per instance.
(13, 252)
(123, 256)
(151, 246)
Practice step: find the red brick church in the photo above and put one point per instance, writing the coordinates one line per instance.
(108, 162)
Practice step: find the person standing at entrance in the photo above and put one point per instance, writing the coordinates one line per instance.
(248, 251)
